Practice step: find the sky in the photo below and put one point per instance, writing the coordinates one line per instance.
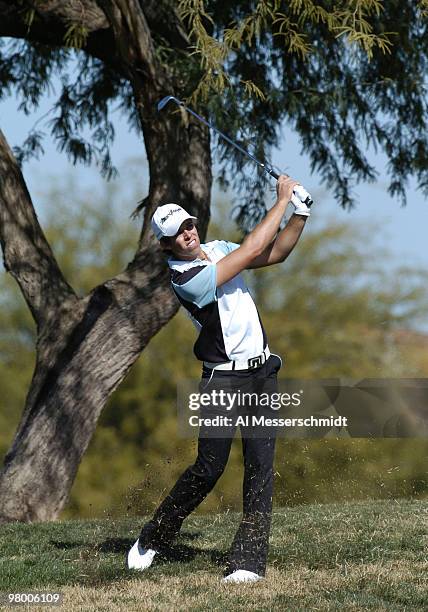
(402, 229)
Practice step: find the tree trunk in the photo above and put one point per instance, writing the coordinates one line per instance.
(105, 334)
(85, 346)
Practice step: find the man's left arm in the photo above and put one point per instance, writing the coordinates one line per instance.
(285, 241)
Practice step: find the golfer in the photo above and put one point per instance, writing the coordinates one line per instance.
(233, 347)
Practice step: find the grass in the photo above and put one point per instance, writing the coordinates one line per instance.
(353, 556)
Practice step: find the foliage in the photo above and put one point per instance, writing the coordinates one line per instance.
(86, 95)
(346, 76)
(252, 20)
(336, 315)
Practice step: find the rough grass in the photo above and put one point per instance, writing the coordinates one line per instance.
(360, 556)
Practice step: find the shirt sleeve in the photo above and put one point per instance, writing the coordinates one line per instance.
(198, 287)
(227, 247)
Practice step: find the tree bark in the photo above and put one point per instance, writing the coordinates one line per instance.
(86, 346)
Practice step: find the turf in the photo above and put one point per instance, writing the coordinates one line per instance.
(354, 556)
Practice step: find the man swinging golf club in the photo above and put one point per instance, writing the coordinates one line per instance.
(233, 347)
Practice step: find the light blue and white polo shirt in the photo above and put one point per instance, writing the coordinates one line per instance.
(226, 317)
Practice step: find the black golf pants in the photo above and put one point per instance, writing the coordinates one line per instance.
(250, 545)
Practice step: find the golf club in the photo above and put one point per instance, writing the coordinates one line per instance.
(299, 191)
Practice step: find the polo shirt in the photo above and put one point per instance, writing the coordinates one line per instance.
(228, 322)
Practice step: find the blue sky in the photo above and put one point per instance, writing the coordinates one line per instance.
(403, 229)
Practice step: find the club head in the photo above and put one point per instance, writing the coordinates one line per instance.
(162, 103)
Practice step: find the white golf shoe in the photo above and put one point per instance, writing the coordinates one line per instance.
(242, 576)
(140, 558)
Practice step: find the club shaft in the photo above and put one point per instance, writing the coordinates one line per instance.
(299, 191)
(265, 167)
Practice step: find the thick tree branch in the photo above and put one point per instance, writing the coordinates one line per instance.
(133, 39)
(19, 20)
(51, 19)
(26, 253)
(164, 20)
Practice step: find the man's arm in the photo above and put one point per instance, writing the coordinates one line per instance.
(260, 239)
(278, 250)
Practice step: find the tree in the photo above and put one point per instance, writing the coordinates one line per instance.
(251, 65)
(344, 329)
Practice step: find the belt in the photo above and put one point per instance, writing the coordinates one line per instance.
(246, 364)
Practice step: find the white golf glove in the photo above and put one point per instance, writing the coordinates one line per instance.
(301, 201)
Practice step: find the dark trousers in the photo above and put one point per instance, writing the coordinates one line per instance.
(250, 545)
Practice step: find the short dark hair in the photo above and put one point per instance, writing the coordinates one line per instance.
(165, 241)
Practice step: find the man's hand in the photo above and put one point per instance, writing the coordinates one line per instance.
(299, 207)
(284, 188)
(301, 201)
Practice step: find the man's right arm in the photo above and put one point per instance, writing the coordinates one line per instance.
(260, 238)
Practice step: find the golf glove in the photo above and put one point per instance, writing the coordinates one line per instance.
(301, 201)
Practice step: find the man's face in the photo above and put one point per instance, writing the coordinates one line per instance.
(185, 244)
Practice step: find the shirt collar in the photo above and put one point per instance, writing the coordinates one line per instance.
(182, 265)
